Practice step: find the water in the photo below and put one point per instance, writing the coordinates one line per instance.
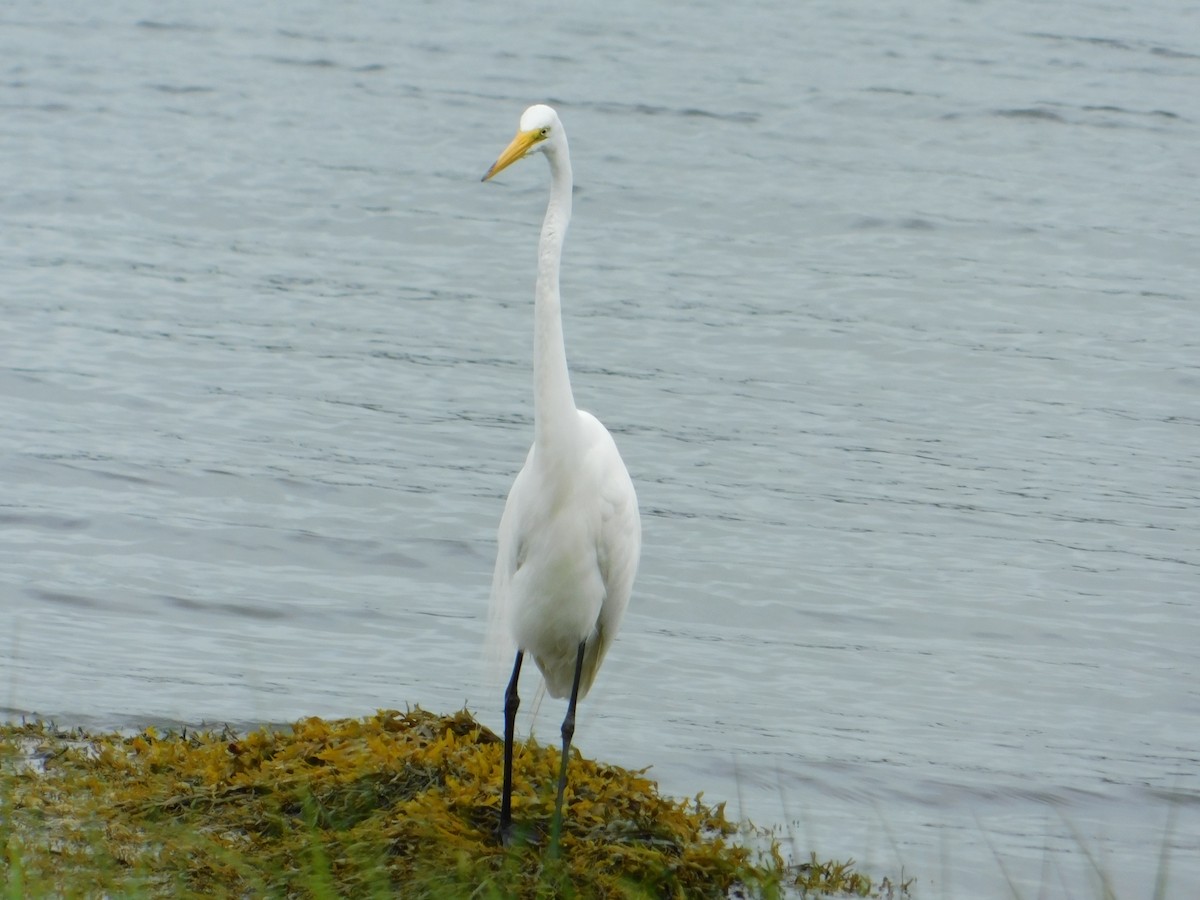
(891, 309)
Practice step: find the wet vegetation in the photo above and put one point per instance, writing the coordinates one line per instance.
(400, 803)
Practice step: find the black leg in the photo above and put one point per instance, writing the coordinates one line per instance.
(568, 732)
(511, 702)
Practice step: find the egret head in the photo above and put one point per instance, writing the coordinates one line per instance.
(539, 130)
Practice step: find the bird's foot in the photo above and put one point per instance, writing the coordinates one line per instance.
(505, 834)
(511, 834)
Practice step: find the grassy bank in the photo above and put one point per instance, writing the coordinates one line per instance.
(395, 804)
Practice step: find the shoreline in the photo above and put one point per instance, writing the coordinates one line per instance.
(398, 800)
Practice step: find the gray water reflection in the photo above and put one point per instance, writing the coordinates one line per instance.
(892, 311)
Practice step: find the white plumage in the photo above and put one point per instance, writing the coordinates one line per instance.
(567, 554)
(570, 535)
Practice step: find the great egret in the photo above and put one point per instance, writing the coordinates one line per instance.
(570, 535)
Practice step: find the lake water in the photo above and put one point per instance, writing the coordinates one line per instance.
(892, 309)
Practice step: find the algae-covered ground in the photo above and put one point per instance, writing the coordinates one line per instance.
(398, 804)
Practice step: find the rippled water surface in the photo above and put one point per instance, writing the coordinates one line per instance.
(892, 310)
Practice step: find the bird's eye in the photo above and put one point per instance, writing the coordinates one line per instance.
(545, 132)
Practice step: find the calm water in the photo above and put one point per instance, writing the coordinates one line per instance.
(892, 310)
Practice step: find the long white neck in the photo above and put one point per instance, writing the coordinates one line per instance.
(553, 403)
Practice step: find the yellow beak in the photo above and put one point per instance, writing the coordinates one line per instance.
(518, 148)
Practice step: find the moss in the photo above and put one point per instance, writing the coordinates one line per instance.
(397, 803)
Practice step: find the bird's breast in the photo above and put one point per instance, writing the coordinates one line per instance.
(558, 587)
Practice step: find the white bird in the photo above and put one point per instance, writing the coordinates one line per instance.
(570, 536)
